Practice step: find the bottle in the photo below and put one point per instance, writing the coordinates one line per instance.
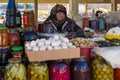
(11, 14)
(18, 19)
(80, 69)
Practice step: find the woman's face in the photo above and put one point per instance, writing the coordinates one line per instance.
(60, 16)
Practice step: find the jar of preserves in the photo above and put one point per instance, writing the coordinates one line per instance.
(14, 38)
(101, 70)
(28, 19)
(80, 69)
(17, 52)
(59, 70)
(3, 36)
(117, 74)
(38, 71)
(15, 70)
(4, 55)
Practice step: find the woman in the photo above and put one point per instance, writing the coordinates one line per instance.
(58, 22)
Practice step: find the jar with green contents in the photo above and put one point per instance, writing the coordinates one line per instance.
(38, 71)
(101, 69)
(17, 51)
(15, 70)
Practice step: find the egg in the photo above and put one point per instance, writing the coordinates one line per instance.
(72, 46)
(47, 42)
(64, 47)
(66, 40)
(35, 48)
(55, 43)
(63, 44)
(43, 39)
(27, 44)
(37, 40)
(57, 47)
(55, 37)
(43, 48)
(33, 43)
(49, 48)
(69, 44)
(41, 43)
(29, 48)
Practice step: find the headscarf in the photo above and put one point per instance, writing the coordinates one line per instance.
(55, 9)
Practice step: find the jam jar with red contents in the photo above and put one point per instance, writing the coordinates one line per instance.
(117, 74)
(14, 38)
(17, 51)
(80, 69)
(59, 70)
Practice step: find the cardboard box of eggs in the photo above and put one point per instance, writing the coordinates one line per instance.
(54, 48)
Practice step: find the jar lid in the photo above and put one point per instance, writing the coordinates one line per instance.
(3, 27)
(14, 60)
(17, 48)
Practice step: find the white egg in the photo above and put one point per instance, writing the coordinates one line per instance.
(27, 44)
(35, 48)
(41, 43)
(72, 46)
(57, 47)
(66, 40)
(43, 39)
(47, 42)
(29, 48)
(55, 37)
(49, 48)
(54, 44)
(69, 44)
(37, 40)
(33, 43)
(63, 44)
(64, 47)
(42, 48)
(58, 42)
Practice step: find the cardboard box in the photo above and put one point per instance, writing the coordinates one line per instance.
(34, 56)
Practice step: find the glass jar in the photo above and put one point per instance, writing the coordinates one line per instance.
(3, 36)
(15, 70)
(80, 69)
(4, 55)
(14, 38)
(17, 51)
(116, 74)
(38, 71)
(101, 70)
(59, 70)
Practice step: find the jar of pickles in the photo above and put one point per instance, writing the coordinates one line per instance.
(38, 71)
(80, 69)
(17, 51)
(59, 70)
(101, 70)
(15, 70)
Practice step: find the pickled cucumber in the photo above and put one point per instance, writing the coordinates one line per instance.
(101, 70)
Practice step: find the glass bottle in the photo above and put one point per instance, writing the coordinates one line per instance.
(14, 38)
(59, 70)
(80, 69)
(38, 71)
(101, 69)
(15, 70)
(11, 14)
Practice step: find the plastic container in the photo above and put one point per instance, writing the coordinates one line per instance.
(101, 70)
(80, 69)
(38, 71)
(17, 52)
(59, 70)
(85, 51)
(15, 70)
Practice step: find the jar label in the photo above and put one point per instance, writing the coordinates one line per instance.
(25, 21)
(17, 20)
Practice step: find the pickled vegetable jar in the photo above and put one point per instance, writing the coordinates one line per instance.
(38, 71)
(14, 38)
(4, 55)
(59, 70)
(116, 74)
(15, 70)
(80, 69)
(101, 69)
(17, 51)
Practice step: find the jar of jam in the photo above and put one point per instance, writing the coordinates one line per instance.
(3, 36)
(17, 51)
(4, 55)
(38, 71)
(15, 70)
(59, 70)
(14, 38)
(80, 69)
(101, 70)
